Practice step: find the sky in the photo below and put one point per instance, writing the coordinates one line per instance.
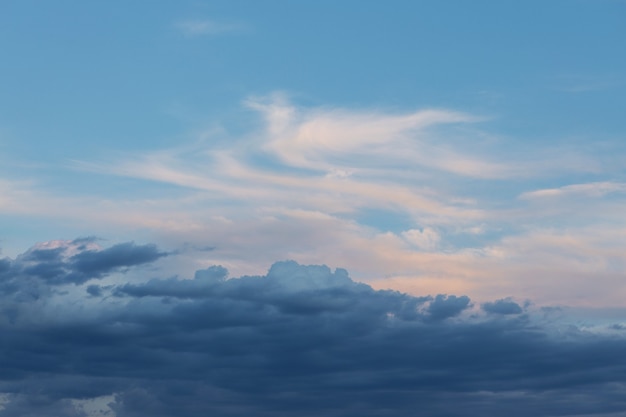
(341, 208)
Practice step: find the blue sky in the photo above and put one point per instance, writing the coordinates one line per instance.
(454, 147)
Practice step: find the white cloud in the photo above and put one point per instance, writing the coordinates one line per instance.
(324, 139)
(426, 239)
(592, 190)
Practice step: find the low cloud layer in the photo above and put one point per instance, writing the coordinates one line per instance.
(299, 340)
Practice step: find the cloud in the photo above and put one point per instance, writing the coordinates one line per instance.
(337, 139)
(300, 184)
(31, 275)
(304, 340)
(40, 406)
(201, 286)
(427, 239)
(503, 306)
(89, 264)
(591, 190)
(94, 290)
(194, 28)
(447, 306)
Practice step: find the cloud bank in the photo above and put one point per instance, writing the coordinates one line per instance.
(299, 339)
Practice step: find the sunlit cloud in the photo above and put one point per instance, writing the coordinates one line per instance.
(337, 139)
(594, 189)
(300, 186)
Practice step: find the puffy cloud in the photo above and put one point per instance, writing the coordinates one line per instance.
(77, 261)
(503, 306)
(443, 306)
(45, 271)
(94, 290)
(201, 286)
(94, 264)
(427, 239)
(303, 340)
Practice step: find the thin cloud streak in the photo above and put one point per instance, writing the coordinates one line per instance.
(594, 189)
(326, 139)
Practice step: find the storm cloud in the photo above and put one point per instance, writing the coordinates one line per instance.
(503, 306)
(299, 340)
(75, 262)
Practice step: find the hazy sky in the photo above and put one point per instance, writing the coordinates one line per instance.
(469, 155)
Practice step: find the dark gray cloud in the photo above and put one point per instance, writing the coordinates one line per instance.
(503, 306)
(300, 340)
(89, 264)
(94, 290)
(38, 406)
(201, 286)
(446, 306)
(32, 273)
(5, 265)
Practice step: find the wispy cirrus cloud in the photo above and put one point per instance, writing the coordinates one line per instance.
(592, 189)
(304, 181)
(336, 139)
